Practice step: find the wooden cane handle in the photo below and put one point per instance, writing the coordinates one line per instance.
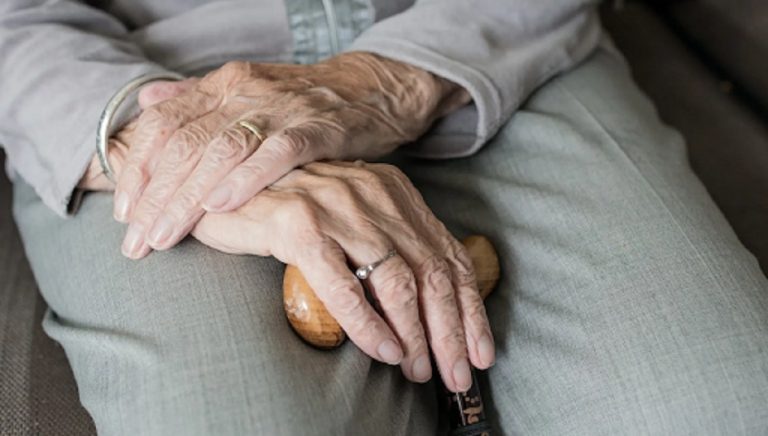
(312, 322)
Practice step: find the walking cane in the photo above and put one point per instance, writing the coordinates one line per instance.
(312, 322)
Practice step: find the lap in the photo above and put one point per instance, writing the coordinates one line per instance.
(626, 301)
(193, 341)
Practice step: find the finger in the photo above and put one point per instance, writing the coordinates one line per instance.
(393, 285)
(479, 338)
(161, 90)
(442, 321)
(280, 153)
(474, 318)
(94, 178)
(229, 148)
(175, 163)
(154, 128)
(251, 231)
(441, 300)
(325, 268)
(437, 299)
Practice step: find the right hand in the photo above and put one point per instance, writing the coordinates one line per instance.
(325, 216)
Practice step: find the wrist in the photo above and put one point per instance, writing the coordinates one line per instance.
(413, 96)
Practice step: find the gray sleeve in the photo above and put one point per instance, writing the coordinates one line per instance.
(60, 62)
(499, 50)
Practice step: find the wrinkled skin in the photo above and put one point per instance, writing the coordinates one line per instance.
(327, 215)
(322, 217)
(190, 155)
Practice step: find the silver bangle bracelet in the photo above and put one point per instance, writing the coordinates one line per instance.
(107, 117)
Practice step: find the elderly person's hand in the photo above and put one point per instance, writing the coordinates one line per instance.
(191, 153)
(325, 216)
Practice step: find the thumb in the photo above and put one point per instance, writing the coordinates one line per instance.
(161, 90)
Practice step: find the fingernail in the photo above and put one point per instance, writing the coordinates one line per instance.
(132, 244)
(122, 203)
(462, 377)
(390, 352)
(486, 350)
(218, 198)
(161, 231)
(422, 369)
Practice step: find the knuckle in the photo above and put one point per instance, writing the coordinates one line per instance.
(367, 327)
(434, 267)
(452, 340)
(185, 143)
(158, 119)
(465, 278)
(152, 115)
(150, 203)
(464, 275)
(291, 143)
(233, 71)
(471, 303)
(440, 295)
(335, 189)
(232, 143)
(158, 90)
(416, 342)
(298, 99)
(186, 200)
(464, 270)
(344, 297)
(388, 170)
(475, 311)
(327, 94)
(367, 176)
(192, 132)
(180, 152)
(399, 287)
(407, 301)
(435, 275)
(149, 207)
(133, 174)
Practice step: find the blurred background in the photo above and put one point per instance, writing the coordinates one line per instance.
(704, 63)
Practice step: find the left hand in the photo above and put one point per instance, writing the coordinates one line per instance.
(191, 155)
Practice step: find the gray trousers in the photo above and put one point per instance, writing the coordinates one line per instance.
(627, 304)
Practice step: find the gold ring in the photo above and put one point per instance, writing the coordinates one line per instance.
(253, 128)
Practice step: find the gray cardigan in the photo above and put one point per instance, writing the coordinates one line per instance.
(60, 61)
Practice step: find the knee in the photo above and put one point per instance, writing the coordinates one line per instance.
(691, 366)
(725, 396)
(220, 372)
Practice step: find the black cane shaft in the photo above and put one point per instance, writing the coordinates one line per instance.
(310, 319)
(465, 410)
